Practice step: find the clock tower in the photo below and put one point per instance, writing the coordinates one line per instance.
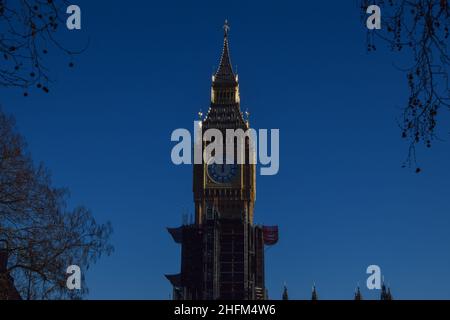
(228, 187)
(223, 250)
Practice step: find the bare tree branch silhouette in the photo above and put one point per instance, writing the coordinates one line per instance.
(44, 237)
(419, 29)
(30, 29)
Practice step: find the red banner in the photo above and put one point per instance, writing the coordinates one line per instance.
(270, 234)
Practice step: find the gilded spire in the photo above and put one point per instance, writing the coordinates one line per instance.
(225, 74)
(389, 294)
(285, 293)
(314, 295)
(385, 292)
(358, 295)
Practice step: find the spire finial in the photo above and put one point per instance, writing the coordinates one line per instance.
(285, 295)
(226, 27)
(224, 74)
(314, 293)
(358, 295)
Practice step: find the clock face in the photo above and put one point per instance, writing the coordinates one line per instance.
(222, 173)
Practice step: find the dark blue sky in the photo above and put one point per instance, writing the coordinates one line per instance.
(341, 199)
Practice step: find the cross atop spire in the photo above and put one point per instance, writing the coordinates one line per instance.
(226, 28)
